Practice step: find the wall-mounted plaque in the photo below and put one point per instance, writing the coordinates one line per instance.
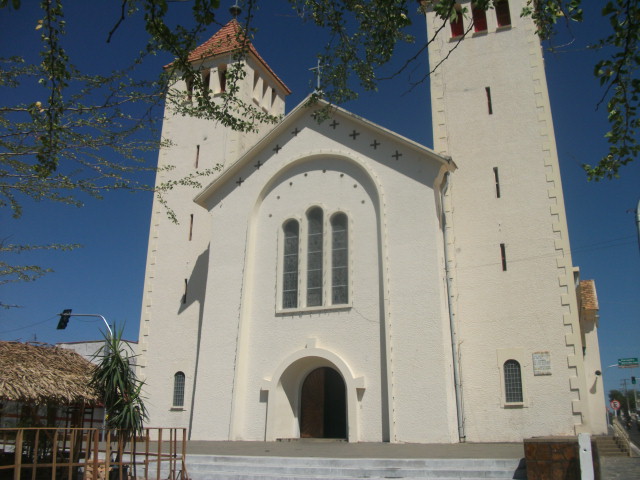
(541, 363)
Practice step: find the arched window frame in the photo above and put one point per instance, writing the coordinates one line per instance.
(315, 255)
(517, 355)
(512, 382)
(290, 266)
(327, 302)
(179, 382)
(339, 248)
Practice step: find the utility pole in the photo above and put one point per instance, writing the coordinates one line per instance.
(626, 395)
(638, 221)
(635, 391)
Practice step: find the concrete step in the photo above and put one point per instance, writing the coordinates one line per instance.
(609, 446)
(219, 467)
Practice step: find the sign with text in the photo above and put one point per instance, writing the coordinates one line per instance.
(628, 362)
(541, 363)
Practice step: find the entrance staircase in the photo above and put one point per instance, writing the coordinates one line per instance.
(610, 446)
(227, 467)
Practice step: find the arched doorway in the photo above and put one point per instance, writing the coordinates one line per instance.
(323, 405)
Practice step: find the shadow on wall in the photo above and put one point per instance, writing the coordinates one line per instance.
(195, 290)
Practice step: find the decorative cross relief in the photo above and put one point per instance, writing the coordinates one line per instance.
(396, 155)
(295, 132)
(258, 165)
(239, 181)
(354, 134)
(277, 148)
(375, 144)
(334, 124)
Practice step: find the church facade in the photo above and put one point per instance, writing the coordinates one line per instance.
(337, 280)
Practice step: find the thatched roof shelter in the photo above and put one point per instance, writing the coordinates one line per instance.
(43, 374)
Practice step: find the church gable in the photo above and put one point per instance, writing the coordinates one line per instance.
(314, 230)
(300, 136)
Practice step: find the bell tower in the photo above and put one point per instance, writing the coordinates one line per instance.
(173, 297)
(509, 261)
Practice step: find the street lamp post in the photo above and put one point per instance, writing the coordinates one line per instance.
(64, 319)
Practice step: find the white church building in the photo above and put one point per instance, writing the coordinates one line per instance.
(338, 280)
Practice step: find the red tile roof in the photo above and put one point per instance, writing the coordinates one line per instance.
(227, 40)
(588, 296)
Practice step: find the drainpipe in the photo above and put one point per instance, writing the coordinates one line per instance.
(452, 326)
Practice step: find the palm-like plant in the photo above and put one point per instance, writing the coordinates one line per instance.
(120, 390)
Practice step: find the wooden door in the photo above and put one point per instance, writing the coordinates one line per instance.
(312, 405)
(323, 409)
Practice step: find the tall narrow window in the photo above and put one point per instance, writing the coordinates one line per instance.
(290, 267)
(197, 155)
(314, 258)
(222, 78)
(457, 25)
(503, 255)
(206, 76)
(178, 389)
(489, 104)
(189, 82)
(184, 295)
(339, 260)
(479, 19)
(497, 179)
(512, 382)
(191, 228)
(503, 15)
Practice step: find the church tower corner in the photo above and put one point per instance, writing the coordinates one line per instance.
(177, 269)
(516, 305)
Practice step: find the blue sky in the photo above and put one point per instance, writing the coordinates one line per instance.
(106, 276)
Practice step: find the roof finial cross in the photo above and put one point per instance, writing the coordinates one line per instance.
(235, 10)
(318, 70)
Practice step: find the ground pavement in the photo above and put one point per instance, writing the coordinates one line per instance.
(620, 468)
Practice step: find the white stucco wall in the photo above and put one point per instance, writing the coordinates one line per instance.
(169, 323)
(531, 306)
(245, 358)
(393, 226)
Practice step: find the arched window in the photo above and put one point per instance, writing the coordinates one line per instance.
(512, 382)
(178, 389)
(503, 15)
(339, 260)
(290, 267)
(314, 257)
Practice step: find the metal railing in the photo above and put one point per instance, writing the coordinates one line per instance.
(620, 433)
(80, 453)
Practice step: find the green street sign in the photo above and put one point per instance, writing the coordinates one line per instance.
(628, 362)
